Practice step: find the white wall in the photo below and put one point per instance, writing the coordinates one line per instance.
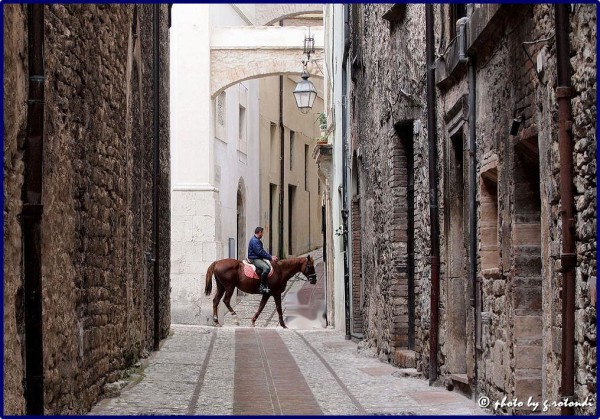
(204, 199)
(235, 165)
(335, 52)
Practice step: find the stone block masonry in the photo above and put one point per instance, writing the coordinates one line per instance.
(506, 340)
(97, 278)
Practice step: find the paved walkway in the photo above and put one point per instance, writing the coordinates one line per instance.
(304, 370)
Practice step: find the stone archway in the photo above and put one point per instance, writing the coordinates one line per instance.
(268, 14)
(243, 53)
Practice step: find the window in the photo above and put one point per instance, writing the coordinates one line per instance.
(274, 150)
(395, 15)
(220, 127)
(292, 147)
(488, 222)
(242, 145)
(305, 167)
(457, 11)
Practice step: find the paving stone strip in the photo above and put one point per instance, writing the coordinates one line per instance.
(216, 396)
(200, 382)
(267, 380)
(330, 396)
(355, 401)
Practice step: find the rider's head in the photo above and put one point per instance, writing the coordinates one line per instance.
(258, 232)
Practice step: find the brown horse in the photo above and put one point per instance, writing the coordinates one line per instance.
(229, 274)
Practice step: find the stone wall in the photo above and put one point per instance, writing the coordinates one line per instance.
(388, 101)
(97, 223)
(518, 340)
(522, 345)
(511, 293)
(15, 117)
(583, 45)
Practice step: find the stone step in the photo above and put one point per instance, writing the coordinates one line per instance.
(460, 383)
(405, 358)
(407, 372)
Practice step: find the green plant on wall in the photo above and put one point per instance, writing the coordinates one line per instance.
(322, 120)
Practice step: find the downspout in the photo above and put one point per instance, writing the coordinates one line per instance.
(433, 195)
(568, 256)
(475, 300)
(281, 161)
(31, 215)
(156, 170)
(345, 170)
(324, 233)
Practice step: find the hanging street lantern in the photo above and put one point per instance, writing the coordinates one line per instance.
(305, 93)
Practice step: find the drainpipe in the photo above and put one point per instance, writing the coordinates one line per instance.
(475, 301)
(156, 170)
(433, 195)
(281, 165)
(31, 215)
(345, 170)
(281, 161)
(324, 233)
(568, 256)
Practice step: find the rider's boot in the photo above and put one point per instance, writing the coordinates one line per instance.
(264, 287)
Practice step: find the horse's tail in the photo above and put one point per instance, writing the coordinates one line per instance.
(209, 275)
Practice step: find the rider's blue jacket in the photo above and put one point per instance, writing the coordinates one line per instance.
(256, 251)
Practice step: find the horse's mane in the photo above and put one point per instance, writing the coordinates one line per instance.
(290, 261)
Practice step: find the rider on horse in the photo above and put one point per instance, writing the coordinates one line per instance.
(256, 254)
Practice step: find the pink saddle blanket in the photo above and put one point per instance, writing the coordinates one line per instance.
(250, 270)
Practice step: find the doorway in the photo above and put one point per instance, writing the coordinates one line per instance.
(456, 287)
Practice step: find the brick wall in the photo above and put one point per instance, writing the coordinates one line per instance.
(97, 223)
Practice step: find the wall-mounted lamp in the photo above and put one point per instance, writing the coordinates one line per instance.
(305, 92)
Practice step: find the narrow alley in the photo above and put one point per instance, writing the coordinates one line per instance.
(267, 370)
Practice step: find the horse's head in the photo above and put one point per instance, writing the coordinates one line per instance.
(308, 269)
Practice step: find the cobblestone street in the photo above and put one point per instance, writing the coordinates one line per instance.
(269, 370)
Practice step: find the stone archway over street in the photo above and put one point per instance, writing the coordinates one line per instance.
(243, 53)
(268, 14)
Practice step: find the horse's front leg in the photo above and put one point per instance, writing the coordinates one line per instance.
(263, 302)
(277, 298)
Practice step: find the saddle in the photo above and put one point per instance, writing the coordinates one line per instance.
(250, 269)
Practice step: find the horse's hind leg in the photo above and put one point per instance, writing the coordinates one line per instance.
(277, 298)
(263, 301)
(218, 296)
(226, 300)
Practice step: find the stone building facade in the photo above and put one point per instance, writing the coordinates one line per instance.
(97, 292)
(500, 325)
